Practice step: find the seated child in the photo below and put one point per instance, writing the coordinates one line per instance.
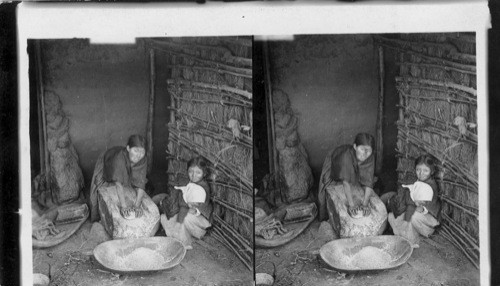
(193, 196)
(186, 214)
(414, 211)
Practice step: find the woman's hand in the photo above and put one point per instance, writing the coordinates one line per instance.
(366, 210)
(124, 208)
(352, 210)
(125, 211)
(420, 209)
(192, 211)
(138, 211)
(368, 192)
(140, 195)
(138, 202)
(366, 201)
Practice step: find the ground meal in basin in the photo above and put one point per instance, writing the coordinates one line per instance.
(142, 258)
(369, 257)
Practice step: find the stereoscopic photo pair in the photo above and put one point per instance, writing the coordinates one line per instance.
(313, 159)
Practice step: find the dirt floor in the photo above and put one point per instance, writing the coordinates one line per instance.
(436, 263)
(72, 263)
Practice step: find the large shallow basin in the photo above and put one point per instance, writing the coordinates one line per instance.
(366, 253)
(140, 254)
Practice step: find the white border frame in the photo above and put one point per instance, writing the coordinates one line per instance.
(121, 23)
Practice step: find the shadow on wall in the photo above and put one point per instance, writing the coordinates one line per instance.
(104, 92)
(332, 84)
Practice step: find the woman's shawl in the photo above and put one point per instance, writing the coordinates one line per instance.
(345, 167)
(118, 168)
(114, 166)
(347, 154)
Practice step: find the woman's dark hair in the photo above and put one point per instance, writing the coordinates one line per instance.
(365, 139)
(429, 161)
(136, 141)
(199, 162)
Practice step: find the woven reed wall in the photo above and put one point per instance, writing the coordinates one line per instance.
(211, 104)
(438, 113)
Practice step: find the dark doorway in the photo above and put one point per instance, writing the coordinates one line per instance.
(261, 148)
(35, 124)
(388, 177)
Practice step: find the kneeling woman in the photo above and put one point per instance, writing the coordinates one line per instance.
(346, 183)
(414, 211)
(187, 213)
(124, 167)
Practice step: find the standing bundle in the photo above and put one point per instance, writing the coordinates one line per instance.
(65, 175)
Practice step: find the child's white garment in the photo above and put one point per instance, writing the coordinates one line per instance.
(193, 193)
(420, 191)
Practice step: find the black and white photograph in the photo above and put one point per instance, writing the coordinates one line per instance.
(141, 159)
(285, 143)
(373, 167)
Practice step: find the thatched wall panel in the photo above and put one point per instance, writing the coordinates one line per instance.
(461, 78)
(209, 86)
(188, 73)
(436, 86)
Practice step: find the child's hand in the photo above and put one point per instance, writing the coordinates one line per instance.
(194, 205)
(183, 188)
(420, 209)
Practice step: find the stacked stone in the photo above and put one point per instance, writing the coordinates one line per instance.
(64, 168)
(292, 154)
